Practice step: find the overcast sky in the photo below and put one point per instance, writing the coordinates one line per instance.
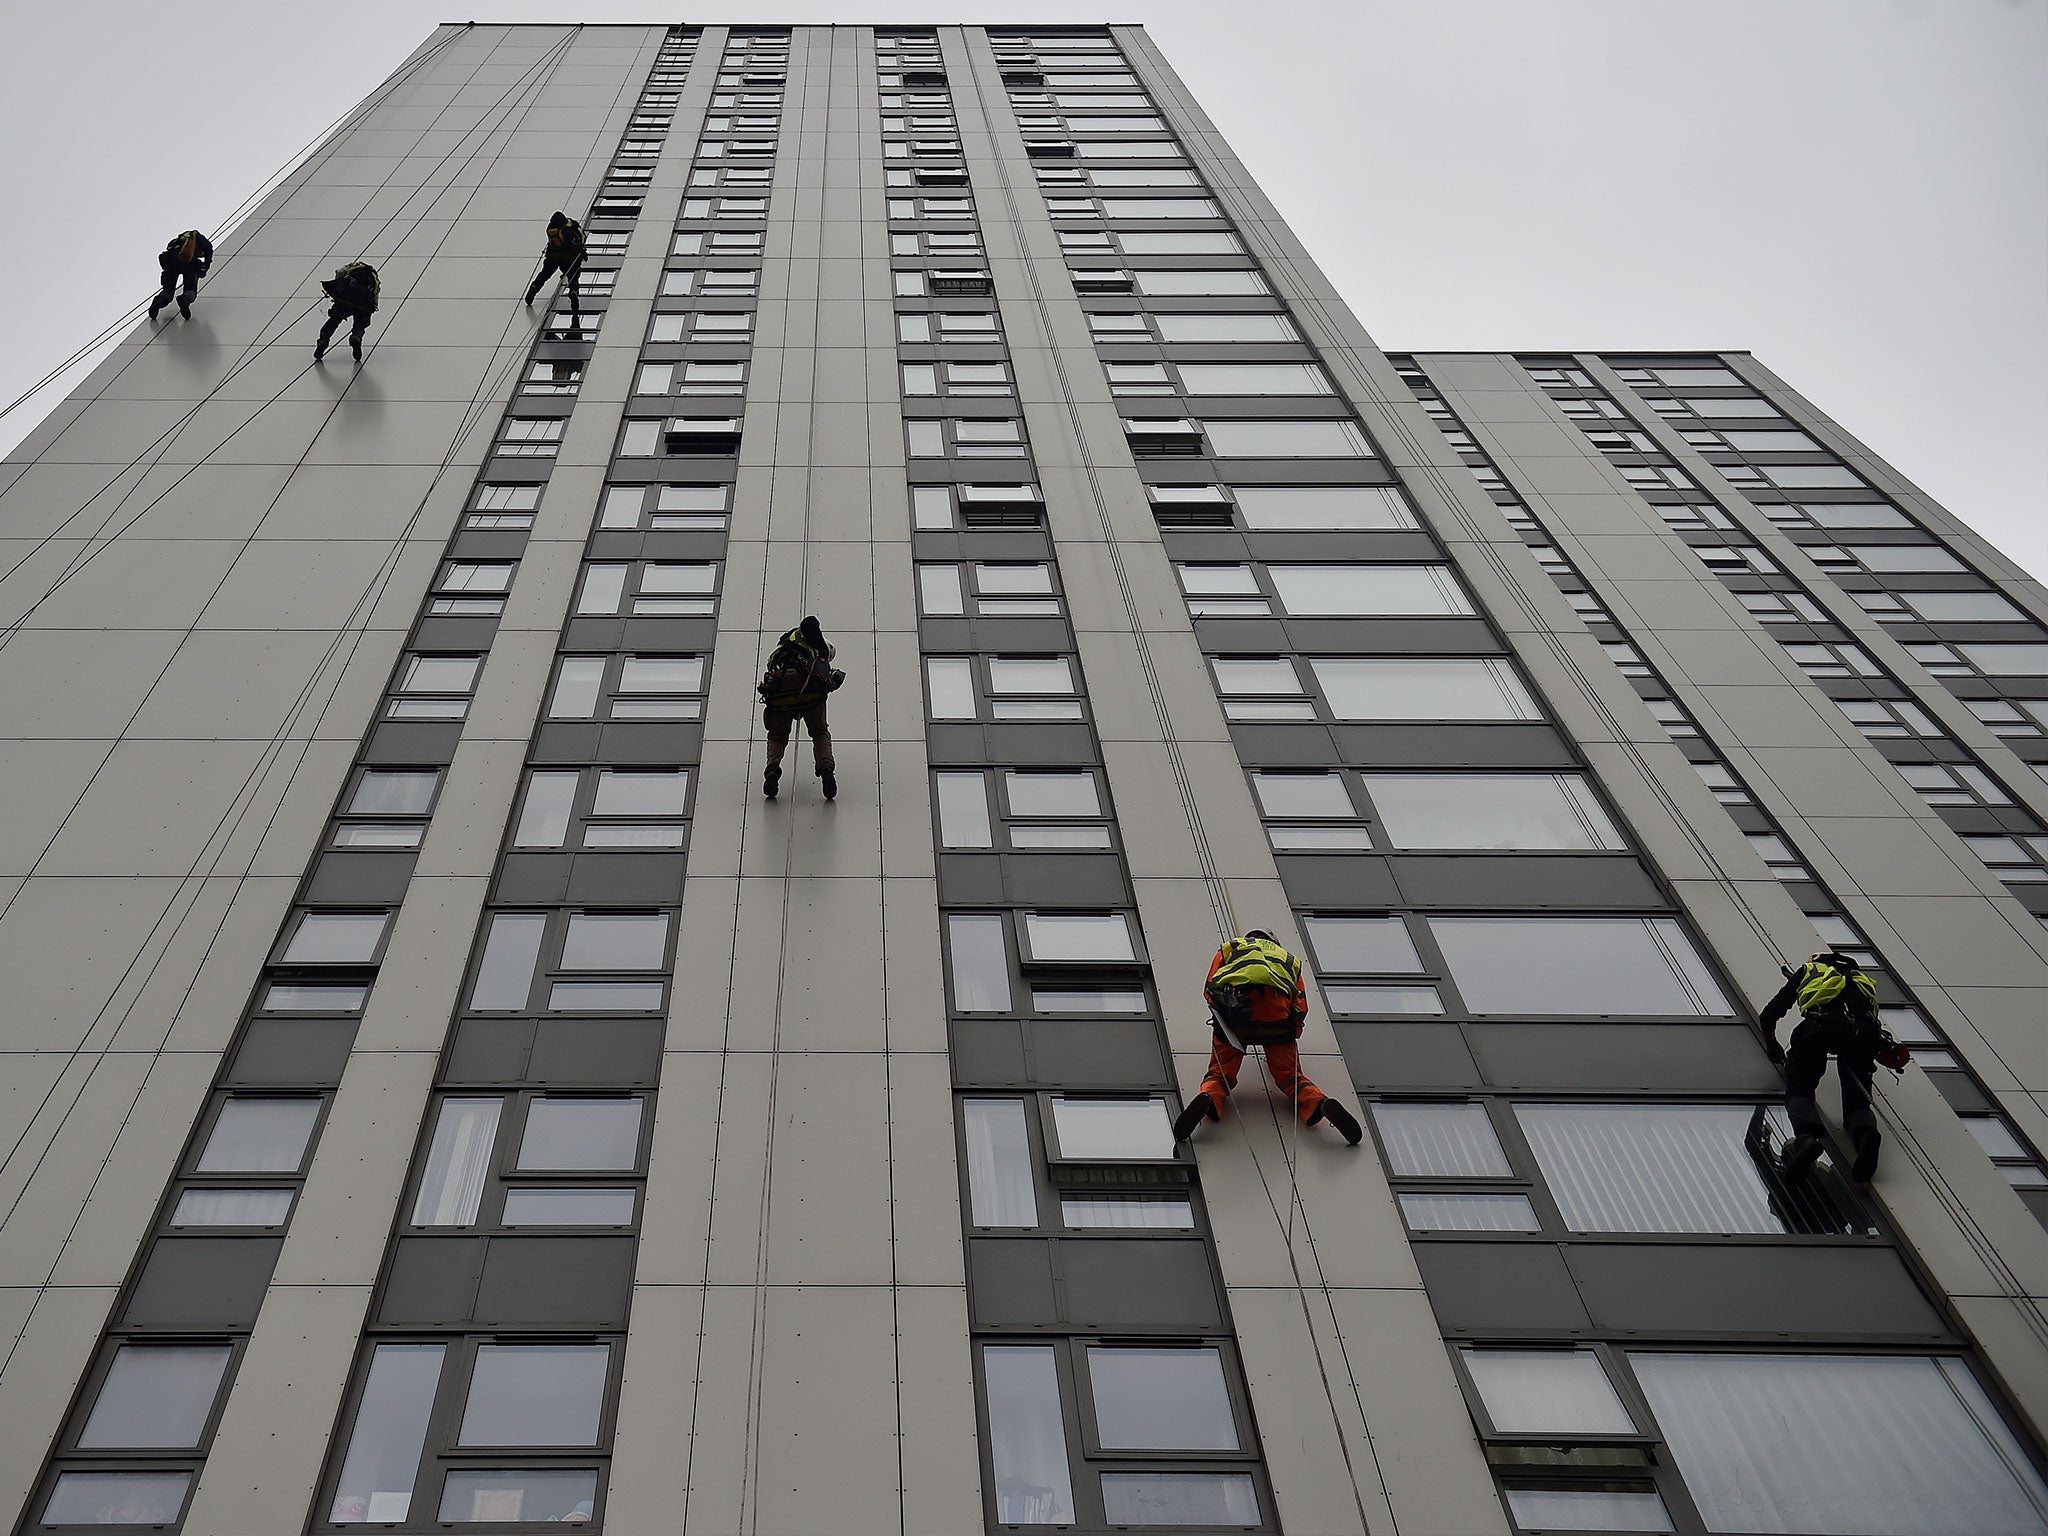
(1854, 190)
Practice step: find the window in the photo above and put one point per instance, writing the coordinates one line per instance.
(1253, 327)
(1252, 378)
(434, 687)
(1962, 607)
(1439, 1141)
(1027, 1435)
(678, 508)
(1268, 439)
(981, 964)
(1240, 679)
(390, 1432)
(117, 1498)
(1019, 687)
(574, 1135)
(1562, 1392)
(1011, 589)
(1930, 1454)
(1361, 944)
(2008, 660)
(535, 1395)
(218, 1207)
(1319, 508)
(1423, 688)
(1577, 965)
(1099, 1130)
(1221, 284)
(156, 1397)
(1077, 936)
(1001, 1191)
(252, 1135)
(336, 938)
(1160, 1399)
(1491, 811)
(658, 588)
(1392, 591)
(1905, 557)
(642, 688)
(978, 438)
(459, 1160)
(1678, 1168)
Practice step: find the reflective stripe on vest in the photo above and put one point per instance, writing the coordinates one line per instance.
(1822, 986)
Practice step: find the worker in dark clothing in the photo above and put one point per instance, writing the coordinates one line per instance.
(1256, 996)
(353, 290)
(564, 254)
(185, 259)
(794, 686)
(1838, 1017)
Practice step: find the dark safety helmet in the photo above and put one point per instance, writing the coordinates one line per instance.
(558, 220)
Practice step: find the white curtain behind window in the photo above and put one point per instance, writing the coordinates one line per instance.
(1824, 1444)
(457, 1163)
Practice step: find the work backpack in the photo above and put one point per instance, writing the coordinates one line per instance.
(1249, 963)
(796, 674)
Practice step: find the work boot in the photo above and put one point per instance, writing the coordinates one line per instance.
(770, 778)
(1337, 1115)
(355, 345)
(156, 306)
(184, 306)
(1798, 1156)
(319, 350)
(1201, 1107)
(1867, 1143)
(831, 784)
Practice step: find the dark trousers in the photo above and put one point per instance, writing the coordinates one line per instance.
(779, 720)
(571, 274)
(1806, 1063)
(339, 313)
(173, 270)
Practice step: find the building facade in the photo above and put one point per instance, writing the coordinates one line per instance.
(441, 1092)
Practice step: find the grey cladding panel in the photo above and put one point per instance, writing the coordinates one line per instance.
(1073, 879)
(1500, 1287)
(653, 879)
(489, 1051)
(581, 1280)
(1359, 880)
(1466, 746)
(431, 1279)
(200, 1284)
(1753, 1289)
(1138, 1283)
(1010, 1283)
(293, 1051)
(1524, 880)
(1668, 1058)
(1406, 1056)
(361, 879)
(596, 1051)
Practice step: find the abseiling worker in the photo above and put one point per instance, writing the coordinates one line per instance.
(793, 687)
(185, 259)
(564, 254)
(352, 294)
(1837, 1017)
(1256, 997)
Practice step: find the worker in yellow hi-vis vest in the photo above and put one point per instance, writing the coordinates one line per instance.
(1256, 997)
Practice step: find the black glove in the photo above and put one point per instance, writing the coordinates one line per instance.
(837, 678)
(1774, 1050)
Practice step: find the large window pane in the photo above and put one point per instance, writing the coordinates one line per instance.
(505, 974)
(394, 792)
(1051, 794)
(390, 1431)
(1286, 440)
(1490, 810)
(999, 1163)
(1111, 1129)
(568, 1135)
(641, 792)
(1027, 1437)
(615, 941)
(1423, 688)
(232, 1208)
(1251, 378)
(1670, 1168)
(1878, 1445)
(1036, 674)
(1361, 944)
(1439, 1141)
(963, 810)
(950, 682)
(1547, 1391)
(981, 968)
(260, 1136)
(569, 1207)
(1168, 1399)
(336, 938)
(1468, 1213)
(497, 1496)
(117, 1498)
(1583, 965)
(1281, 508)
(1588, 1509)
(1078, 936)
(1180, 1498)
(535, 1394)
(458, 1163)
(2008, 660)
(1392, 591)
(1240, 283)
(1303, 794)
(1225, 327)
(544, 818)
(155, 1397)
(1127, 1211)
